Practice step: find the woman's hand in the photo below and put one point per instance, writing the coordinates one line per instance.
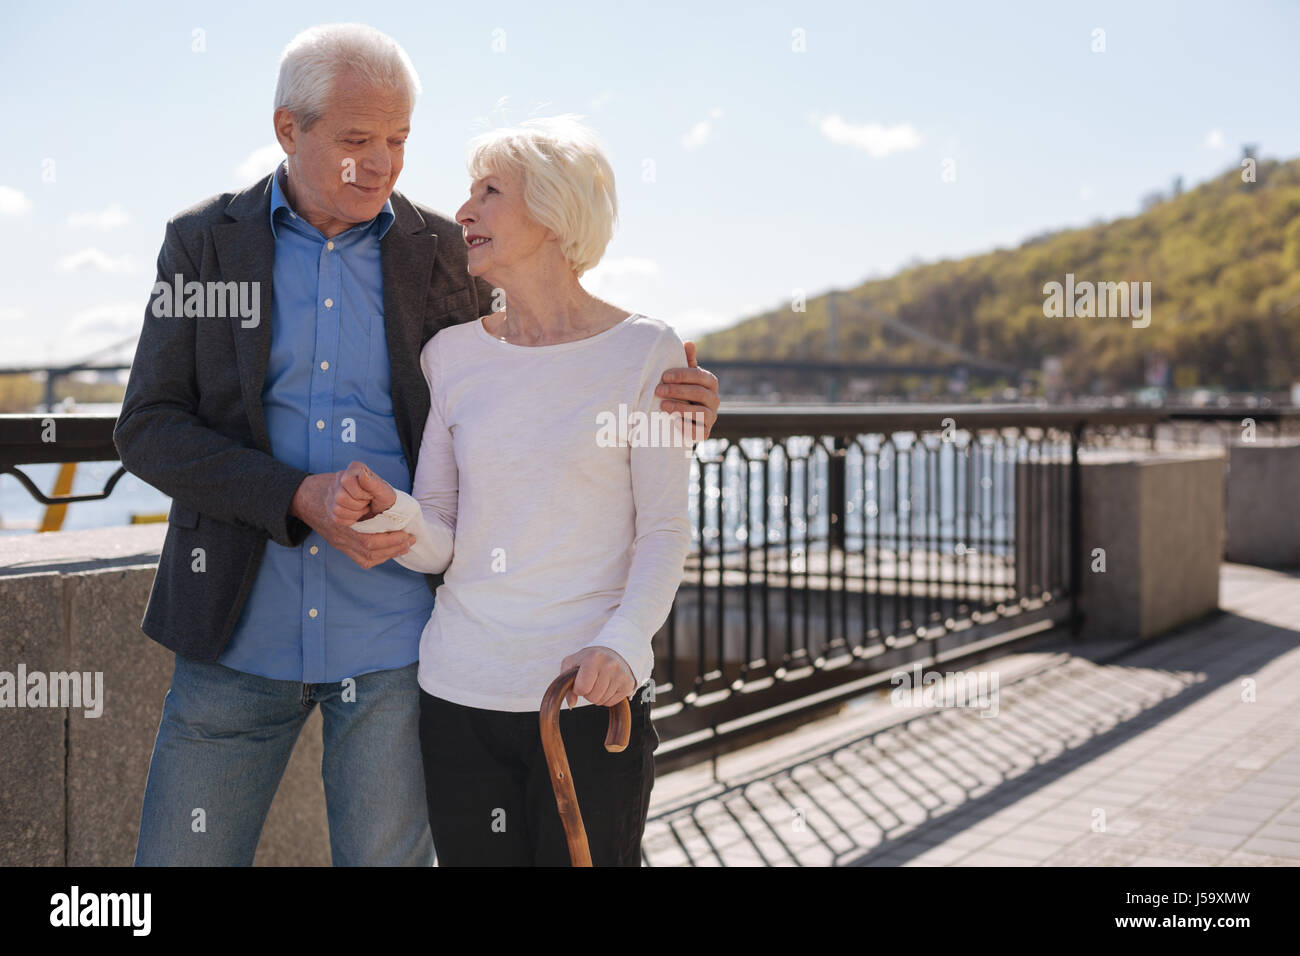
(603, 676)
(359, 494)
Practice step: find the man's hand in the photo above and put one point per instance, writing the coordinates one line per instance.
(360, 494)
(603, 676)
(314, 505)
(693, 391)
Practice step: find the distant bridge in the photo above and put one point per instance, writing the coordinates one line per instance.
(962, 363)
(980, 367)
(91, 363)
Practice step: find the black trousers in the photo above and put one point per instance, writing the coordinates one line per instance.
(489, 790)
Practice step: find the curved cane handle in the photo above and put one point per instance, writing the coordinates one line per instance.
(566, 799)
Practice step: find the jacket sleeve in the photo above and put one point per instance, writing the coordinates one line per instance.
(162, 439)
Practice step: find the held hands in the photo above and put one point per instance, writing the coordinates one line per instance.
(603, 676)
(330, 502)
(360, 494)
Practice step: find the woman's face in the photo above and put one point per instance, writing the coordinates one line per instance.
(503, 238)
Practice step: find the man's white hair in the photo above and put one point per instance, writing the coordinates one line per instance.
(568, 181)
(317, 56)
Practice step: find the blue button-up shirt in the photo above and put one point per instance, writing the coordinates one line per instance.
(314, 615)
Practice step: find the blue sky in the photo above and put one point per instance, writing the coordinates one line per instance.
(774, 170)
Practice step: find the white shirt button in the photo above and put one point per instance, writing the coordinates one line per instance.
(329, 246)
(324, 366)
(314, 549)
(329, 303)
(319, 423)
(312, 612)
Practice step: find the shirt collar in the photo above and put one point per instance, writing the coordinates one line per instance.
(278, 202)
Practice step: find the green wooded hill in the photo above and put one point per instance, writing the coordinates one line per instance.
(1223, 261)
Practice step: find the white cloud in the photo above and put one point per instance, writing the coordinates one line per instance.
(878, 141)
(699, 133)
(622, 268)
(113, 320)
(601, 99)
(112, 326)
(259, 162)
(630, 282)
(12, 202)
(96, 259)
(1085, 193)
(107, 218)
(696, 136)
(1215, 139)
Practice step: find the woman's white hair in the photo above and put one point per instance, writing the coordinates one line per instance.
(317, 56)
(568, 181)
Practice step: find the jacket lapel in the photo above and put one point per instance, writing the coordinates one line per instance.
(245, 252)
(407, 253)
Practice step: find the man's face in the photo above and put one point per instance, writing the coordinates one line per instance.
(342, 170)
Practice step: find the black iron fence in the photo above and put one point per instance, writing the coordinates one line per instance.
(833, 544)
(57, 439)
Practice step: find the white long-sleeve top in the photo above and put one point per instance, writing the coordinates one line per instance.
(553, 492)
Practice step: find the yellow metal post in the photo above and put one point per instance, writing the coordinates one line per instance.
(54, 514)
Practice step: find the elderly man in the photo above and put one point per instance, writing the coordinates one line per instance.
(247, 421)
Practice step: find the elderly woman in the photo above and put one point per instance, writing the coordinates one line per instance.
(562, 532)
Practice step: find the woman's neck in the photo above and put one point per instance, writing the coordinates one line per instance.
(549, 309)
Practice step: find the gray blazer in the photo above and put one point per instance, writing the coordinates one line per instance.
(192, 423)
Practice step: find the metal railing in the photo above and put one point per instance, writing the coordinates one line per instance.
(1224, 426)
(834, 544)
(1188, 427)
(831, 545)
(57, 439)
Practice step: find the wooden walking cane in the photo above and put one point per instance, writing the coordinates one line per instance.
(566, 799)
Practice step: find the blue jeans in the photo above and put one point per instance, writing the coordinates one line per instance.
(224, 741)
